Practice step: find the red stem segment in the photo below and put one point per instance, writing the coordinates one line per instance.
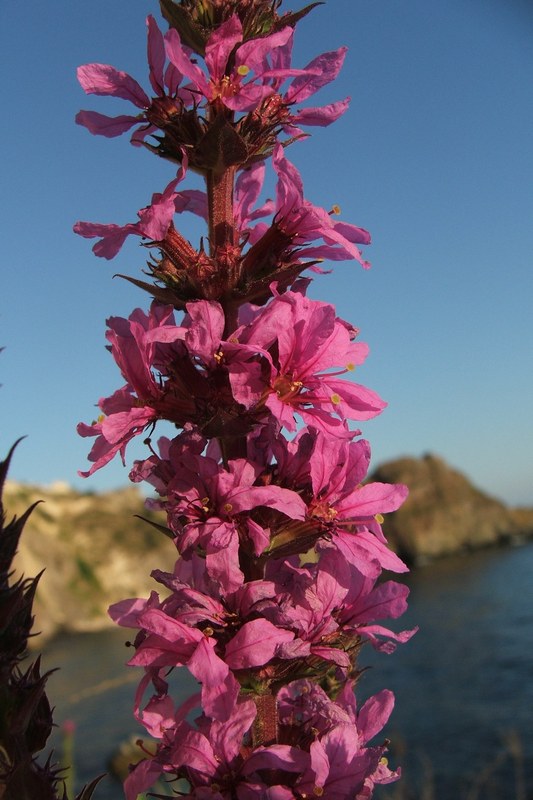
(222, 231)
(265, 727)
(223, 239)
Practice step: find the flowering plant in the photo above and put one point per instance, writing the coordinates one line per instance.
(278, 536)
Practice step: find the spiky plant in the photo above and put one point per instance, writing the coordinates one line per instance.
(26, 718)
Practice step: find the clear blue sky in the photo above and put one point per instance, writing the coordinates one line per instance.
(434, 157)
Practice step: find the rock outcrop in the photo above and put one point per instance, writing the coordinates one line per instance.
(445, 513)
(94, 551)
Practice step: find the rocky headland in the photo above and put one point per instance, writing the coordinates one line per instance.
(95, 550)
(445, 514)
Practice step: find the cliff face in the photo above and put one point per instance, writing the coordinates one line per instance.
(93, 549)
(445, 513)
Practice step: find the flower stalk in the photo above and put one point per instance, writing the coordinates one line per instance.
(263, 490)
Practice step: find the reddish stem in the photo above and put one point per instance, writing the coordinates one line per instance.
(265, 727)
(222, 231)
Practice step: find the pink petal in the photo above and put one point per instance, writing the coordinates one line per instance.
(219, 688)
(126, 612)
(156, 55)
(253, 53)
(112, 236)
(142, 777)
(255, 644)
(103, 79)
(321, 116)
(277, 756)
(373, 498)
(205, 332)
(321, 71)
(102, 125)
(177, 55)
(374, 714)
(220, 45)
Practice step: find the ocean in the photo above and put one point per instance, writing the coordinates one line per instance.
(463, 721)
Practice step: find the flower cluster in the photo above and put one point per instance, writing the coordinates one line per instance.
(263, 489)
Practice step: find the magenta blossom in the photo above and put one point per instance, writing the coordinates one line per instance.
(306, 341)
(233, 88)
(304, 222)
(172, 372)
(140, 345)
(251, 79)
(342, 765)
(102, 79)
(154, 220)
(217, 761)
(318, 73)
(337, 469)
(328, 473)
(329, 756)
(208, 502)
(320, 601)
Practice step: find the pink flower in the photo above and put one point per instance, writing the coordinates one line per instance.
(318, 73)
(154, 220)
(320, 602)
(364, 601)
(140, 345)
(306, 339)
(207, 507)
(233, 88)
(328, 472)
(171, 372)
(217, 761)
(301, 222)
(102, 79)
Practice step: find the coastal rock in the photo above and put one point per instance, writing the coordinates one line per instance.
(445, 513)
(93, 549)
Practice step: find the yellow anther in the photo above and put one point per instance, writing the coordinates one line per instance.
(335, 209)
(379, 519)
(318, 791)
(335, 399)
(218, 356)
(350, 367)
(243, 70)
(208, 631)
(100, 418)
(227, 507)
(384, 761)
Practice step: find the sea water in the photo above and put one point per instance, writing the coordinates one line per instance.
(463, 722)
